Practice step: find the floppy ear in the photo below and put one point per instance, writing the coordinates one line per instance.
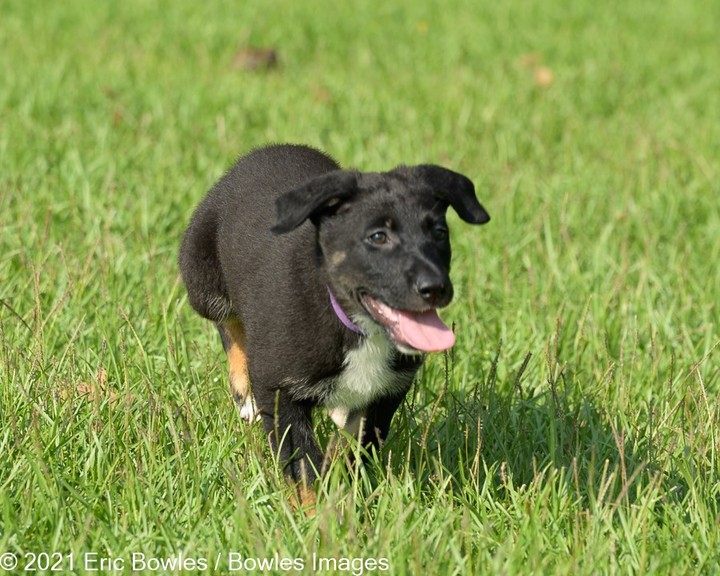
(456, 190)
(312, 198)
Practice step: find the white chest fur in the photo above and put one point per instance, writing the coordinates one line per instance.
(367, 375)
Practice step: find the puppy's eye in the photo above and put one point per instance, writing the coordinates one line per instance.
(439, 233)
(378, 238)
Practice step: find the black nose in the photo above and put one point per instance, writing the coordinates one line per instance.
(435, 290)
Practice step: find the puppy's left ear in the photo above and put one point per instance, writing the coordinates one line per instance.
(313, 198)
(457, 190)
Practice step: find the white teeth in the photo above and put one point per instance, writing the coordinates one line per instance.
(381, 313)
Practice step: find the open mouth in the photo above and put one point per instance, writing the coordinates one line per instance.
(423, 331)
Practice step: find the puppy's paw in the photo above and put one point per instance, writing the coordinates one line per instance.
(248, 410)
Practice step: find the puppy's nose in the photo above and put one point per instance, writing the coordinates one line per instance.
(434, 289)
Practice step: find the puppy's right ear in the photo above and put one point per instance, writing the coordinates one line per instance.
(313, 198)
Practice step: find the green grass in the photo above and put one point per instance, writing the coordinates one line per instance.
(574, 429)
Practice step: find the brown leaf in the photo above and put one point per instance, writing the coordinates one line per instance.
(253, 59)
(531, 60)
(322, 94)
(543, 77)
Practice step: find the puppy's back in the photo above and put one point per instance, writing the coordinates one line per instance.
(236, 216)
(262, 175)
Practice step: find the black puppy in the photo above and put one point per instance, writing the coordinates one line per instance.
(324, 285)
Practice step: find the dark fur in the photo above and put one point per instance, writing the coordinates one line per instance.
(279, 229)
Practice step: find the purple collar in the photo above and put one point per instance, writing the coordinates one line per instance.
(340, 313)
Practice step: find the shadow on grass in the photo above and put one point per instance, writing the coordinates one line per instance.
(509, 434)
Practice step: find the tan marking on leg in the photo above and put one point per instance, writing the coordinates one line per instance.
(303, 498)
(302, 494)
(238, 364)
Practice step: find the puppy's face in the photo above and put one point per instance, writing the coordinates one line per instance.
(385, 246)
(387, 253)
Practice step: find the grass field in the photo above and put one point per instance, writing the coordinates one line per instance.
(574, 428)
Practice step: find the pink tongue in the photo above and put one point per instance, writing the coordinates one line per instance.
(422, 331)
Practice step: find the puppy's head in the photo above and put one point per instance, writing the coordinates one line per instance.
(385, 247)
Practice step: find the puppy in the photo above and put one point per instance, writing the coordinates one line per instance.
(324, 285)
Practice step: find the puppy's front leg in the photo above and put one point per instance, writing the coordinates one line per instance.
(377, 420)
(370, 426)
(289, 427)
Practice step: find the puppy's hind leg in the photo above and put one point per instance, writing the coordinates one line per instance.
(232, 334)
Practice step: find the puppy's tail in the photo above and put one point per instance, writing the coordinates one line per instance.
(200, 266)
